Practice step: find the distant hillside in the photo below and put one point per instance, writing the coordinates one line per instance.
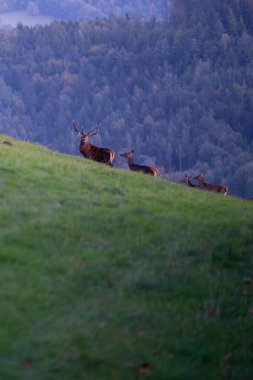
(108, 274)
(89, 9)
(13, 18)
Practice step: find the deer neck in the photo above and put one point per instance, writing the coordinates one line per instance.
(202, 182)
(130, 162)
(85, 144)
(84, 148)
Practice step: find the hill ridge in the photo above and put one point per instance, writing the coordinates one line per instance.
(109, 274)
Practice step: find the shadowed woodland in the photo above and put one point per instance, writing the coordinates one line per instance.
(180, 94)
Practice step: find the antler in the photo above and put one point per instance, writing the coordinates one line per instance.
(74, 125)
(97, 130)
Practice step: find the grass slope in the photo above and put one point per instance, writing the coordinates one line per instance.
(108, 274)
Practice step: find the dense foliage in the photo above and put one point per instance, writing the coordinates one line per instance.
(180, 94)
(86, 9)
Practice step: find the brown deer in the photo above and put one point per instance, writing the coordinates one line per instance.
(7, 142)
(187, 181)
(93, 152)
(138, 168)
(209, 187)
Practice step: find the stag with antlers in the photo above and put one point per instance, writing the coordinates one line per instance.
(209, 187)
(138, 168)
(93, 152)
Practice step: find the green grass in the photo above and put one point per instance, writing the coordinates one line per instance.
(109, 274)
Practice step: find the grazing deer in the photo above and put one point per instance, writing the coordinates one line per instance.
(209, 187)
(187, 181)
(138, 168)
(93, 152)
(7, 142)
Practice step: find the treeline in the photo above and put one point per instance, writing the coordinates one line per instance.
(87, 9)
(180, 94)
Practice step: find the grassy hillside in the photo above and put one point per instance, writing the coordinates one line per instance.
(108, 274)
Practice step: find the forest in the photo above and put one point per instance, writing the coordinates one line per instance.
(86, 9)
(179, 92)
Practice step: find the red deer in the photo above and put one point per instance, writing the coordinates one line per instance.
(93, 152)
(187, 181)
(209, 187)
(138, 168)
(7, 143)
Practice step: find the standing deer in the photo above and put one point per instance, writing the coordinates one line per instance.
(209, 187)
(187, 181)
(93, 152)
(138, 168)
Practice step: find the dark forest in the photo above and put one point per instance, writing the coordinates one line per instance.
(179, 92)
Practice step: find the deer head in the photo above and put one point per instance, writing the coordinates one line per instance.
(186, 179)
(200, 177)
(84, 136)
(129, 154)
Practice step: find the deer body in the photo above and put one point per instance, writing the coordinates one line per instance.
(138, 168)
(209, 187)
(96, 153)
(7, 143)
(93, 152)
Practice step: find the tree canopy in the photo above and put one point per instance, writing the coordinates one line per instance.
(180, 93)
